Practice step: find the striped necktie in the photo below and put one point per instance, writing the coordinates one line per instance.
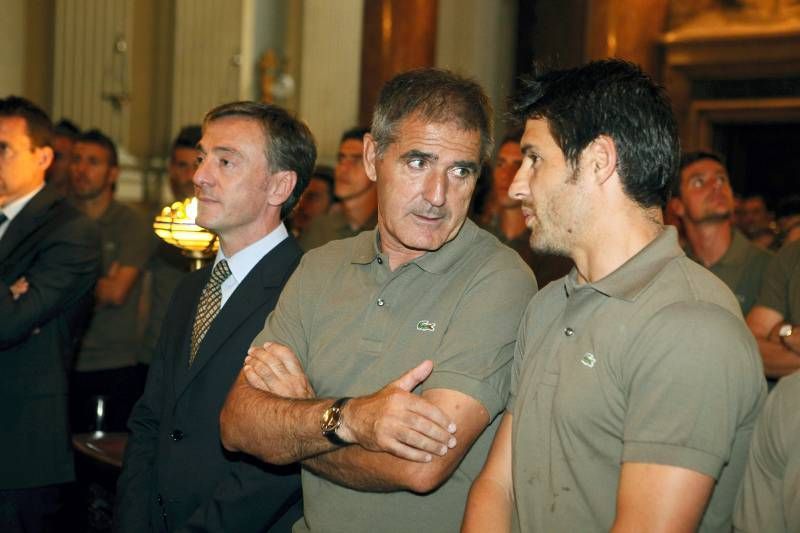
(209, 305)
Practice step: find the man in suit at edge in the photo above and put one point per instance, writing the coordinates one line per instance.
(49, 261)
(255, 160)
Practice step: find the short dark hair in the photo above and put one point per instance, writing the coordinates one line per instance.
(436, 96)
(66, 128)
(325, 173)
(615, 98)
(688, 158)
(95, 136)
(356, 133)
(37, 123)
(289, 142)
(188, 137)
(514, 135)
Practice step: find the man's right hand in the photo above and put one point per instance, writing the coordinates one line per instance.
(18, 288)
(396, 421)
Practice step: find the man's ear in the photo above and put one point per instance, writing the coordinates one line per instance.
(676, 204)
(280, 186)
(370, 156)
(603, 160)
(44, 157)
(113, 174)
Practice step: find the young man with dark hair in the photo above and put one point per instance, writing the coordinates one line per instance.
(255, 160)
(183, 162)
(703, 199)
(505, 218)
(427, 291)
(49, 261)
(64, 135)
(106, 362)
(635, 384)
(354, 191)
(316, 201)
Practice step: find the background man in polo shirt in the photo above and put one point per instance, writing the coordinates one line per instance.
(355, 193)
(775, 319)
(635, 384)
(106, 362)
(428, 290)
(704, 202)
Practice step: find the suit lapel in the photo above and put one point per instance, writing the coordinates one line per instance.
(184, 326)
(268, 274)
(26, 221)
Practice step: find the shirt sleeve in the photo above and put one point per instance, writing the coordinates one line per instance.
(775, 285)
(477, 350)
(760, 504)
(693, 379)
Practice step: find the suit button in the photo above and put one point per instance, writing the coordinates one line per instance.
(176, 435)
(159, 500)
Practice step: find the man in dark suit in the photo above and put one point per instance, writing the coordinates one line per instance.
(255, 160)
(49, 261)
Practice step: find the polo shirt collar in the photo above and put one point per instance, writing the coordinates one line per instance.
(367, 248)
(636, 274)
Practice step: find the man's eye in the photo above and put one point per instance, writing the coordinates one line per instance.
(225, 162)
(697, 183)
(416, 164)
(461, 172)
(198, 160)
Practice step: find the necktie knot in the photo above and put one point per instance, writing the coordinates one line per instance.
(220, 273)
(3, 217)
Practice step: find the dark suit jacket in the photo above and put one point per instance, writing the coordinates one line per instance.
(58, 250)
(176, 474)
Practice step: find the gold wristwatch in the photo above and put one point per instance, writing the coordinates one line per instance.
(331, 421)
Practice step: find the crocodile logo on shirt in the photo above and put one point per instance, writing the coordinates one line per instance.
(588, 359)
(426, 325)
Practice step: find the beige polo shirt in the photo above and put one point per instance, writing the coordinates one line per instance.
(769, 499)
(355, 326)
(652, 364)
(781, 287)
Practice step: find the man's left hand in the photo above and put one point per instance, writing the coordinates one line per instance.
(275, 368)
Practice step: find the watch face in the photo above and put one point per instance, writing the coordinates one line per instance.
(330, 419)
(785, 330)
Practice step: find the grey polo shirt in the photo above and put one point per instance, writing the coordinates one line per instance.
(742, 269)
(781, 287)
(652, 364)
(769, 499)
(355, 326)
(113, 338)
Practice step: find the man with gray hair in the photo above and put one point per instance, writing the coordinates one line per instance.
(254, 162)
(428, 291)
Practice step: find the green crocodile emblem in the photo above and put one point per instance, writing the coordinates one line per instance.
(426, 325)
